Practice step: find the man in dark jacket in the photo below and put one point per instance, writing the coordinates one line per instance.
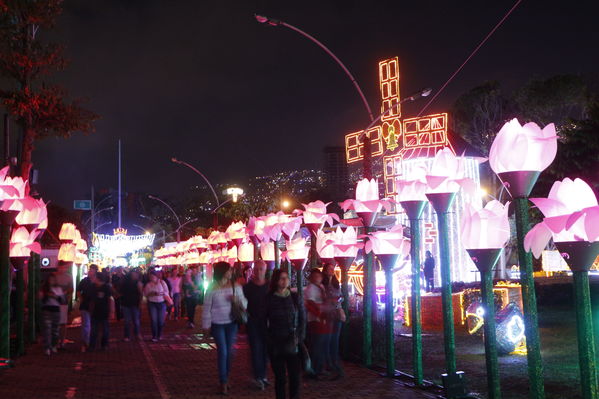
(429, 271)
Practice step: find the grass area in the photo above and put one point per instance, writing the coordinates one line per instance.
(557, 326)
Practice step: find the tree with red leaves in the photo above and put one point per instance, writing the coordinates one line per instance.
(39, 108)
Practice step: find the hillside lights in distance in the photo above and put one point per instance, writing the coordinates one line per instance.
(234, 192)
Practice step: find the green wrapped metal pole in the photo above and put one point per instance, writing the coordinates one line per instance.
(493, 385)
(586, 341)
(20, 311)
(313, 252)
(416, 303)
(38, 284)
(5, 283)
(367, 281)
(389, 322)
(345, 306)
(448, 328)
(31, 294)
(529, 303)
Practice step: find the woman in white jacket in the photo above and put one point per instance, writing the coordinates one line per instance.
(216, 317)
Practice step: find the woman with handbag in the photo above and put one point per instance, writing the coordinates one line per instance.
(156, 292)
(224, 307)
(284, 317)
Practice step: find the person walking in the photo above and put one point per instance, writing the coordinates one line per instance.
(336, 315)
(429, 271)
(222, 299)
(51, 296)
(190, 291)
(284, 317)
(155, 292)
(85, 291)
(118, 278)
(255, 291)
(131, 294)
(101, 309)
(319, 328)
(176, 283)
(65, 280)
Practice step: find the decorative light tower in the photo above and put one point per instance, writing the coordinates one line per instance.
(444, 179)
(367, 205)
(572, 220)
(389, 246)
(518, 155)
(484, 234)
(412, 199)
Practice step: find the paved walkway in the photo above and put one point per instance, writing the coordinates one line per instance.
(181, 366)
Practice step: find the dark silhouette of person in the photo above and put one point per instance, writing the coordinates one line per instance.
(429, 271)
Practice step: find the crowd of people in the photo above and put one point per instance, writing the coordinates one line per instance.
(297, 337)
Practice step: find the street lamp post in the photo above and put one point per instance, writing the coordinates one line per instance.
(218, 204)
(178, 231)
(93, 217)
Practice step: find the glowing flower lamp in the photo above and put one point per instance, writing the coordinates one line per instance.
(267, 253)
(290, 226)
(246, 253)
(68, 232)
(572, 219)
(484, 232)
(315, 215)
(297, 253)
(81, 245)
(255, 229)
(324, 249)
(388, 246)
(67, 252)
(32, 214)
(367, 203)
(273, 226)
(519, 154)
(237, 232)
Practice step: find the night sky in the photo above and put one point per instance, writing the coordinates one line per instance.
(203, 81)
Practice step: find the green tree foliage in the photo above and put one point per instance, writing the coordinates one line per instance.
(39, 107)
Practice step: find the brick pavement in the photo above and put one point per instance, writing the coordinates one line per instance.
(181, 366)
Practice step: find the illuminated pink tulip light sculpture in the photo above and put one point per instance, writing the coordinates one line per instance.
(389, 246)
(484, 233)
(518, 155)
(572, 219)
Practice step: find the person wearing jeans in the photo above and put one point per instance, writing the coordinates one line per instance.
(216, 318)
(319, 327)
(131, 292)
(176, 281)
(155, 291)
(190, 291)
(85, 291)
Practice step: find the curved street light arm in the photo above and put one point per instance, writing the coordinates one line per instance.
(186, 223)
(168, 206)
(274, 22)
(175, 160)
(98, 212)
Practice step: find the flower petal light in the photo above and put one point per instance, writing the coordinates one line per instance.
(367, 198)
(447, 174)
(571, 214)
(523, 148)
(488, 227)
(388, 242)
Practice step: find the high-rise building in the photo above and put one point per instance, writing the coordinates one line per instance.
(336, 172)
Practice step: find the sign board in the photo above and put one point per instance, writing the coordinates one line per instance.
(82, 205)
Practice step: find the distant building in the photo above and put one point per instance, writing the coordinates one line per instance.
(336, 172)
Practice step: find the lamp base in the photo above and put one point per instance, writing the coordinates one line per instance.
(368, 218)
(441, 202)
(485, 259)
(298, 264)
(414, 208)
(579, 255)
(344, 262)
(387, 260)
(519, 183)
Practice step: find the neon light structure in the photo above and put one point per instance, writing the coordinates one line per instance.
(117, 245)
(409, 143)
